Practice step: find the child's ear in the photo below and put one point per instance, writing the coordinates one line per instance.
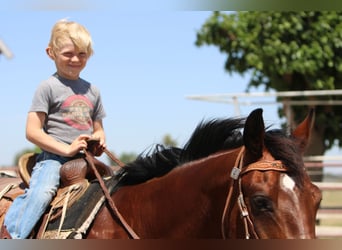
(50, 53)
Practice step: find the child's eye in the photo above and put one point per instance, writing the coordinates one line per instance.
(68, 54)
(82, 54)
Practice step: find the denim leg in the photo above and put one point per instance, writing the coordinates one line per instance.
(28, 208)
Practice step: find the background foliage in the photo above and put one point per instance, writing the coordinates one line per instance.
(285, 51)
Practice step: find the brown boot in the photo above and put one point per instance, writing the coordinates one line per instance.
(4, 234)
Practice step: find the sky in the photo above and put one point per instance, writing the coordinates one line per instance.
(145, 64)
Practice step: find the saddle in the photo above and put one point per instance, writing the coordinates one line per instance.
(69, 171)
(75, 178)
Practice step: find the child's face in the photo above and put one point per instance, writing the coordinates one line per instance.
(69, 60)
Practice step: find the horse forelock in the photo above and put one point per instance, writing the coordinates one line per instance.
(284, 148)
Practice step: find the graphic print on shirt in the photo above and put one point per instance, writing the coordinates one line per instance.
(77, 111)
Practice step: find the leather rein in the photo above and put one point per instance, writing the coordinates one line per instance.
(236, 174)
(111, 203)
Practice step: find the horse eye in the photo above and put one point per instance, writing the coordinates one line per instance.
(261, 204)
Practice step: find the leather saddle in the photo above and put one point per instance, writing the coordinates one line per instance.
(75, 176)
(71, 171)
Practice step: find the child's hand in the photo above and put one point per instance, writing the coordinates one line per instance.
(78, 144)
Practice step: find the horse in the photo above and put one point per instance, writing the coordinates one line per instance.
(256, 188)
(223, 183)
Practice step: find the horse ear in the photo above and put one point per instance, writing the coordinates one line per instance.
(253, 135)
(303, 130)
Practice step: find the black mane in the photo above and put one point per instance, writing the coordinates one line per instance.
(208, 137)
(213, 136)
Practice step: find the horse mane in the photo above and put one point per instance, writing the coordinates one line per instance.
(210, 136)
(158, 162)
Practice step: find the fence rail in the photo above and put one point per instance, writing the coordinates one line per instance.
(328, 232)
(329, 218)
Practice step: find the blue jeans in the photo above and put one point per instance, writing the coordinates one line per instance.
(27, 209)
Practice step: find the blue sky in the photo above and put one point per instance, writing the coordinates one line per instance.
(145, 65)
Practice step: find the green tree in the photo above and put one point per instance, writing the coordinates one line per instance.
(286, 51)
(126, 157)
(34, 149)
(169, 141)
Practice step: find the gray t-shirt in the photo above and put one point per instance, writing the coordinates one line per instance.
(71, 107)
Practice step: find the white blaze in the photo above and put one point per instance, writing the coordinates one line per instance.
(288, 185)
(288, 182)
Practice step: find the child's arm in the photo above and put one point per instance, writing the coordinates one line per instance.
(99, 133)
(36, 135)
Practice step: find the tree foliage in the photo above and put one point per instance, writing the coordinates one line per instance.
(169, 141)
(34, 149)
(285, 51)
(125, 157)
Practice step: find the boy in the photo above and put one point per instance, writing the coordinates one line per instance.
(66, 111)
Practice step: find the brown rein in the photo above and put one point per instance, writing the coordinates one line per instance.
(111, 203)
(236, 174)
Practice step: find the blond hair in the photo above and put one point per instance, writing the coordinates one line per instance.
(65, 30)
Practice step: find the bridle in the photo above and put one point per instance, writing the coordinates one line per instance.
(236, 174)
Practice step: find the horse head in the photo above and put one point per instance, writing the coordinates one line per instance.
(276, 197)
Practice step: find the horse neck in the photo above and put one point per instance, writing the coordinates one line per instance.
(189, 201)
(210, 181)
(215, 169)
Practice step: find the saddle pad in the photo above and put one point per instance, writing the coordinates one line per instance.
(66, 197)
(80, 215)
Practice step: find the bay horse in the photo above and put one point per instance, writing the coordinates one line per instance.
(253, 186)
(223, 183)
